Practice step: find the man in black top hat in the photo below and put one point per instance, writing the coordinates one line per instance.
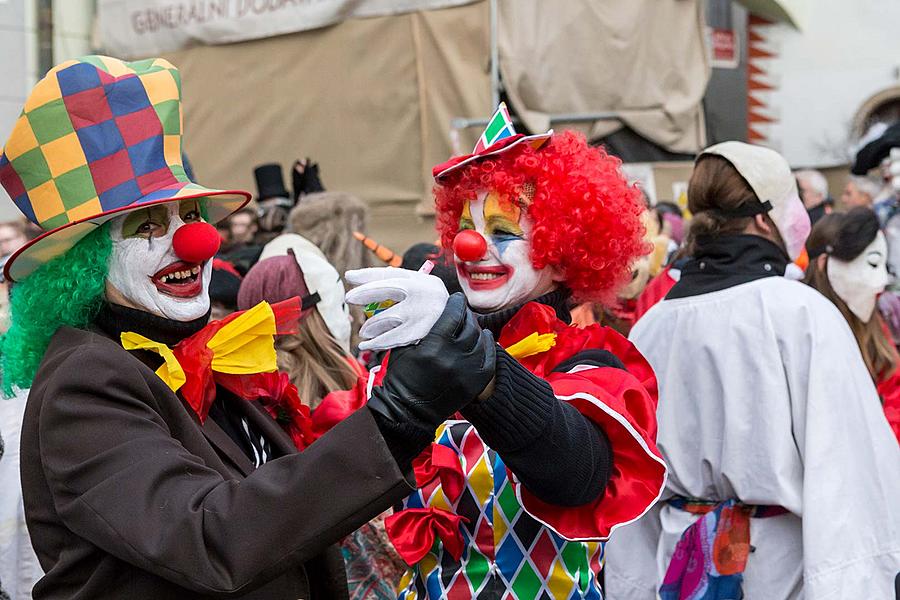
(274, 202)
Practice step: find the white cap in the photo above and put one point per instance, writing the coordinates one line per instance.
(769, 176)
(320, 276)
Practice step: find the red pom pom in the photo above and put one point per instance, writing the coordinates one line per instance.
(469, 245)
(196, 242)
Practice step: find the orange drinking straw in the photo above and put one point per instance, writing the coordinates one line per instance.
(385, 254)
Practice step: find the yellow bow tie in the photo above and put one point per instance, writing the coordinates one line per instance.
(244, 345)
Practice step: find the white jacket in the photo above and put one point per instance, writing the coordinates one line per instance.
(764, 397)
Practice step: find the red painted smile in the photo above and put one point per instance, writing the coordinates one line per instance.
(180, 280)
(482, 278)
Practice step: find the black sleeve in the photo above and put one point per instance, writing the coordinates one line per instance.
(592, 357)
(560, 455)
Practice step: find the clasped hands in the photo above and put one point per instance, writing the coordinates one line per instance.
(440, 358)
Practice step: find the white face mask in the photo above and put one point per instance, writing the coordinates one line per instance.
(504, 276)
(859, 281)
(149, 276)
(792, 221)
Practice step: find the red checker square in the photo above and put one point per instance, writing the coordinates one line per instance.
(155, 180)
(543, 554)
(105, 77)
(460, 589)
(110, 171)
(472, 449)
(138, 126)
(484, 538)
(595, 561)
(88, 107)
(10, 180)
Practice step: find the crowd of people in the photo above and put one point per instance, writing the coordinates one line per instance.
(571, 393)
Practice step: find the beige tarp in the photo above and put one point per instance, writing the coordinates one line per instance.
(369, 99)
(643, 58)
(132, 28)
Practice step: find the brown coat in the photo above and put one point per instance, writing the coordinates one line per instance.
(128, 496)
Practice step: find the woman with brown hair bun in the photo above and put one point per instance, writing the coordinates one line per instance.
(328, 379)
(783, 474)
(848, 258)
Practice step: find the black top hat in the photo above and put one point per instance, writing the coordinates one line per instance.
(871, 155)
(270, 182)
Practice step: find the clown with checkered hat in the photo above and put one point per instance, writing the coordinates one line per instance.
(161, 453)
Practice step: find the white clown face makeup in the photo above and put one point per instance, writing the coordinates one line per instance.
(859, 281)
(504, 276)
(144, 271)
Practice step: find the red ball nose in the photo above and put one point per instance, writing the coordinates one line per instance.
(196, 242)
(469, 245)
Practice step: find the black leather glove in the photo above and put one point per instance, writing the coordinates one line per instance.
(427, 382)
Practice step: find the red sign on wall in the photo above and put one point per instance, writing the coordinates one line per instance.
(725, 50)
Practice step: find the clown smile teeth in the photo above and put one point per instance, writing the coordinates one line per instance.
(485, 276)
(180, 275)
(179, 279)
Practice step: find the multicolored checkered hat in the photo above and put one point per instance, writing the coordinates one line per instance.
(97, 138)
(498, 136)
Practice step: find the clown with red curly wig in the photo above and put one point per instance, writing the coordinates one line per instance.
(554, 447)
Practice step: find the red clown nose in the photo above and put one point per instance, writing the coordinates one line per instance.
(196, 242)
(469, 245)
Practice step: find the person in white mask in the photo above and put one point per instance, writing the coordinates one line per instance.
(784, 477)
(848, 265)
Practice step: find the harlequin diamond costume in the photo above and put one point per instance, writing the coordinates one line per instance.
(160, 454)
(518, 493)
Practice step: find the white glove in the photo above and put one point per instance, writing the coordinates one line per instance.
(419, 301)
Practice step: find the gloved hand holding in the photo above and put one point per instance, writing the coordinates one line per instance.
(419, 301)
(428, 382)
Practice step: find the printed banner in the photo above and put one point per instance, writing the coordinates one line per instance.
(141, 28)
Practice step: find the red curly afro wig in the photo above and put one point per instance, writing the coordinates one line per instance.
(587, 219)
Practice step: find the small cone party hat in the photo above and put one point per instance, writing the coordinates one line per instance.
(498, 136)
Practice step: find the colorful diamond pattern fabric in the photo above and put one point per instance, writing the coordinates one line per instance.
(508, 554)
(95, 135)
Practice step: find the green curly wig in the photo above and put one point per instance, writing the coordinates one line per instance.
(66, 291)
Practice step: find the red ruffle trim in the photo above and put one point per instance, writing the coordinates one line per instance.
(438, 169)
(622, 403)
(655, 291)
(340, 404)
(889, 390)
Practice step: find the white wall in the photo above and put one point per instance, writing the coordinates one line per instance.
(844, 53)
(18, 49)
(72, 23)
(19, 62)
